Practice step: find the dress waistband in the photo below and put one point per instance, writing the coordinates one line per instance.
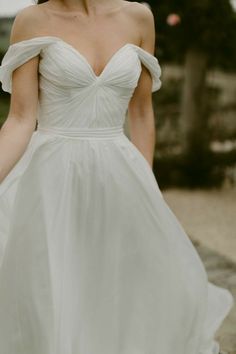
(84, 133)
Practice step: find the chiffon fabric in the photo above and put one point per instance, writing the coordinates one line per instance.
(93, 260)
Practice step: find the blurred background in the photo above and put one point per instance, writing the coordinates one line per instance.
(195, 110)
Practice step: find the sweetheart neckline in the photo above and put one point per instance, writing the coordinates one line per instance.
(59, 39)
(82, 56)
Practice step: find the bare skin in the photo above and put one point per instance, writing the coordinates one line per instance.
(97, 29)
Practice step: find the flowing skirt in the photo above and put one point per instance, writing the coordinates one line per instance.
(93, 260)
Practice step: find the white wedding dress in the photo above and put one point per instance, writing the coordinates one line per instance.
(93, 261)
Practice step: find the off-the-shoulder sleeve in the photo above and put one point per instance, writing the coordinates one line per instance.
(18, 54)
(152, 64)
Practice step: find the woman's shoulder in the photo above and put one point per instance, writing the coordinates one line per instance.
(27, 23)
(142, 17)
(140, 11)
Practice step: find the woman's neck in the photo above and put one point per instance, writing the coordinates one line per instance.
(85, 6)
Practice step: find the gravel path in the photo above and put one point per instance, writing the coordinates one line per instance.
(207, 216)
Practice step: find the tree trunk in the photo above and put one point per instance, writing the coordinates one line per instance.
(194, 127)
(194, 122)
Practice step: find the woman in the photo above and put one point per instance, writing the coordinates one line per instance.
(94, 261)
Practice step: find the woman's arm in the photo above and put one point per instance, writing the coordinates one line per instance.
(21, 120)
(140, 112)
